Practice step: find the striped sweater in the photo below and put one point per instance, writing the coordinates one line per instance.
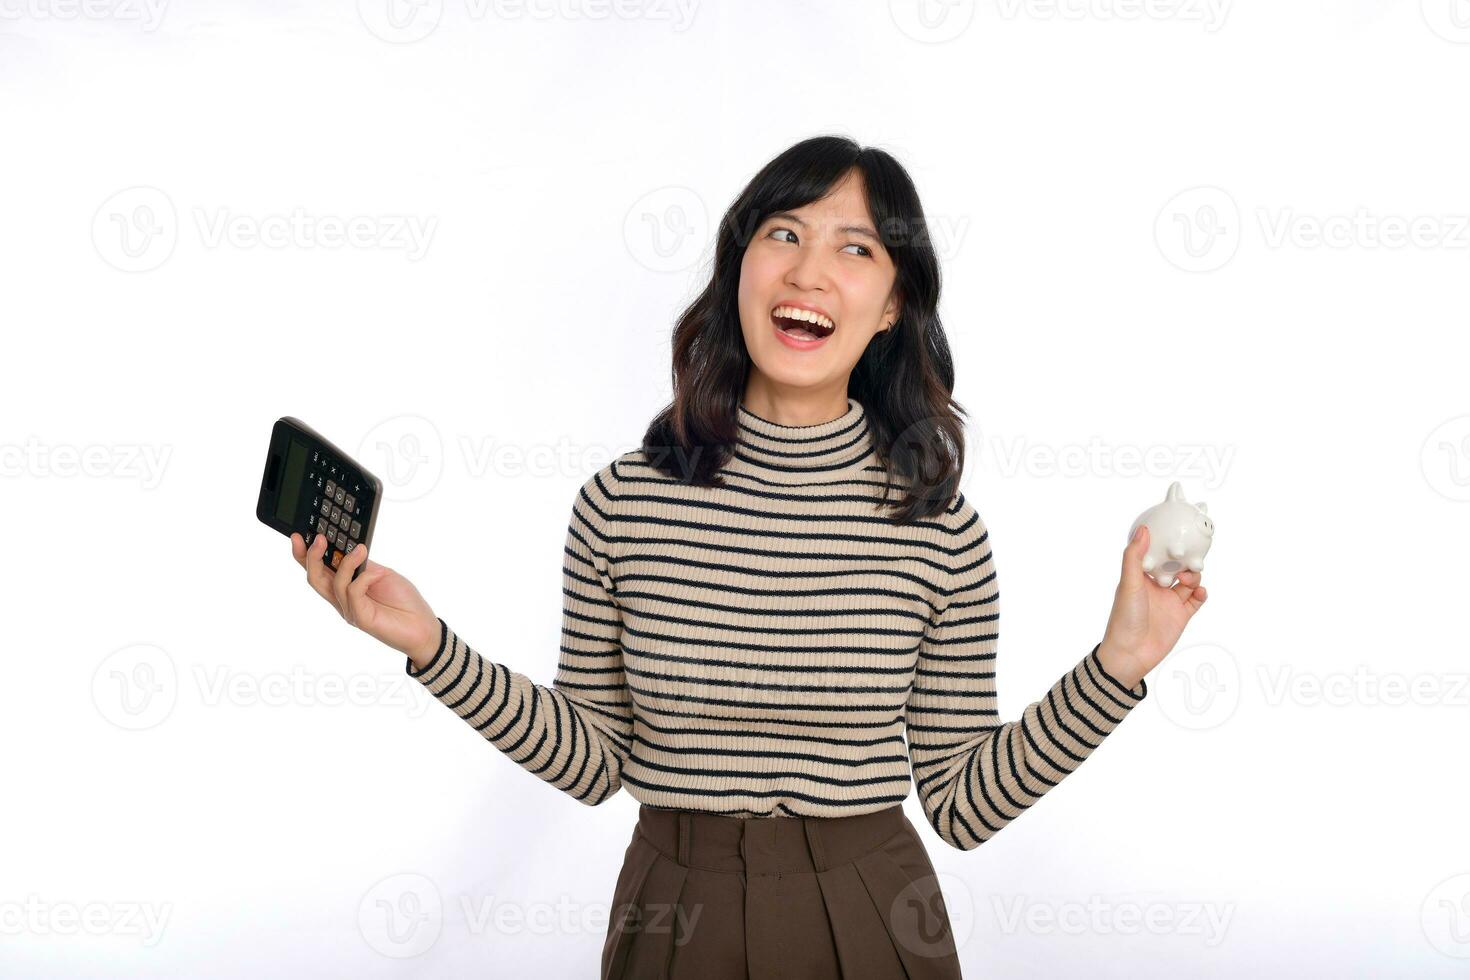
(777, 647)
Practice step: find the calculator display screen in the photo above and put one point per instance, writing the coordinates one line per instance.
(291, 482)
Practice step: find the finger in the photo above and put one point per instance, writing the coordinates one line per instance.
(343, 578)
(371, 572)
(1133, 556)
(1184, 588)
(298, 548)
(317, 572)
(357, 589)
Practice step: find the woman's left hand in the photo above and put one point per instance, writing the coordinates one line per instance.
(1147, 618)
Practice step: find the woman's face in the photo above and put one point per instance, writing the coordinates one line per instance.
(825, 256)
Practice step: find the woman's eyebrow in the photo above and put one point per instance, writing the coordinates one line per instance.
(847, 229)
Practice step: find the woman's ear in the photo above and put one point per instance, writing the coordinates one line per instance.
(892, 312)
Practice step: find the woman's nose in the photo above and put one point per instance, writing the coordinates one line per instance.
(808, 271)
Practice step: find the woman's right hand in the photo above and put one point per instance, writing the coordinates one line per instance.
(381, 603)
(1147, 618)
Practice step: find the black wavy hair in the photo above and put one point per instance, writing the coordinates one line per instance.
(904, 379)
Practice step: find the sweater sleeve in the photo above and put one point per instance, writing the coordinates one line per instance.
(974, 773)
(576, 733)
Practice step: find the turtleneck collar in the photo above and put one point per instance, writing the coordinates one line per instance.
(817, 451)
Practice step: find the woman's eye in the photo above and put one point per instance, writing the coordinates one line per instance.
(778, 231)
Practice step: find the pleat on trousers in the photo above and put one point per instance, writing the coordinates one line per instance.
(768, 898)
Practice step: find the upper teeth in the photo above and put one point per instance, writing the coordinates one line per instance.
(795, 313)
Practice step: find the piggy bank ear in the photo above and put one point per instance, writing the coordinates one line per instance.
(1203, 507)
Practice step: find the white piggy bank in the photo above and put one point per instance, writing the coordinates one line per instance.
(1179, 536)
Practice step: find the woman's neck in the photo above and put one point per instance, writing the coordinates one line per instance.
(837, 448)
(794, 406)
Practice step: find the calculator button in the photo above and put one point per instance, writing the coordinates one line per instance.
(356, 529)
(341, 540)
(321, 525)
(340, 496)
(336, 514)
(350, 545)
(350, 503)
(344, 520)
(336, 558)
(326, 507)
(331, 489)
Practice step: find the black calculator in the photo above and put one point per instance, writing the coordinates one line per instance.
(311, 487)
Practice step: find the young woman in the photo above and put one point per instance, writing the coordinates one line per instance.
(781, 605)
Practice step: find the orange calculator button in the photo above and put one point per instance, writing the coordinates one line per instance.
(336, 557)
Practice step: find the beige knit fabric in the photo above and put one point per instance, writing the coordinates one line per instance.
(763, 649)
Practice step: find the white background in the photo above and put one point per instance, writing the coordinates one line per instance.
(1173, 232)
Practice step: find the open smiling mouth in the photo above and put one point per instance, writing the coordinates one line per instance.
(801, 329)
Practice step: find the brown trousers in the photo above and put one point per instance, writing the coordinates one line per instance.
(769, 898)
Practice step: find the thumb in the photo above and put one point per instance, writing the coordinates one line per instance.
(357, 589)
(358, 604)
(1133, 556)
